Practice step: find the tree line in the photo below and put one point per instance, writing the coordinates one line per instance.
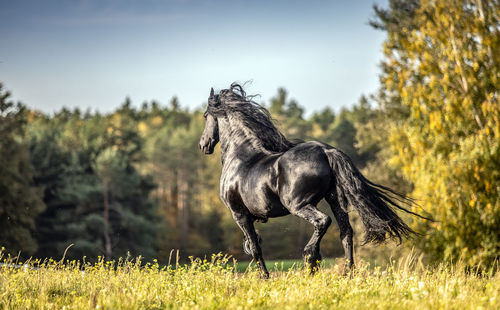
(132, 182)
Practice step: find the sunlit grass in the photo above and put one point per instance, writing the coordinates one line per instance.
(214, 284)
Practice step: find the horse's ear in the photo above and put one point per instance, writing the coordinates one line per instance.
(211, 93)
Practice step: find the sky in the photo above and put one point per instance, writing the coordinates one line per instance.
(92, 54)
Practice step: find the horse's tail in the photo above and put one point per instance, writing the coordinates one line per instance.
(374, 203)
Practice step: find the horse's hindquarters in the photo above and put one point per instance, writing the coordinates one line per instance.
(304, 175)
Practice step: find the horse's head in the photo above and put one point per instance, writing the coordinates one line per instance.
(210, 136)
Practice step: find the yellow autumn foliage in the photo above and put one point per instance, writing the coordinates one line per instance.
(449, 145)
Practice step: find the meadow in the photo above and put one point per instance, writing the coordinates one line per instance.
(217, 284)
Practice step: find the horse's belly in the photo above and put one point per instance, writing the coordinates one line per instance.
(277, 211)
(265, 205)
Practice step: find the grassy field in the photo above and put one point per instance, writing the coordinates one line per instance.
(216, 284)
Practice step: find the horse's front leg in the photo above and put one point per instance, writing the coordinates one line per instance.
(245, 222)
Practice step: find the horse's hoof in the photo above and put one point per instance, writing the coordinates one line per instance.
(312, 257)
(312, 262)
(313, 270)
(264, 276)
(348, 272)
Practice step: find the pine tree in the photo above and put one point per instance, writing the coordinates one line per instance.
(20, 200)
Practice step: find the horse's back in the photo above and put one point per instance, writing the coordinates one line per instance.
(304, 158)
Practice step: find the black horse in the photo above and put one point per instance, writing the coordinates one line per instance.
(264, 175)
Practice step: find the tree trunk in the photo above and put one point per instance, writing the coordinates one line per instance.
(183, 209)
(107, 238)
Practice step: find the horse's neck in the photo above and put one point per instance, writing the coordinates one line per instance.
(236, 142)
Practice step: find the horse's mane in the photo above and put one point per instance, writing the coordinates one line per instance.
(253, 120)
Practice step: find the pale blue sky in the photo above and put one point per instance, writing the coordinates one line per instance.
(95, 53)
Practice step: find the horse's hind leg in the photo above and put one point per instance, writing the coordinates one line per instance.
(346, 232)
(321, 223)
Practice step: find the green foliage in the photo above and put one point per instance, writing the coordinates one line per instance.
(442, 73)
(289, 115)
(95, 197)
(20, 200)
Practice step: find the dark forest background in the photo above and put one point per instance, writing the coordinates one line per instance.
(133, 182)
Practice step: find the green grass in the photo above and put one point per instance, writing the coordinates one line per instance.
(215, 284)
(281, 265)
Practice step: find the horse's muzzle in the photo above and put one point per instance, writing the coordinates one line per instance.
(208, 148)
